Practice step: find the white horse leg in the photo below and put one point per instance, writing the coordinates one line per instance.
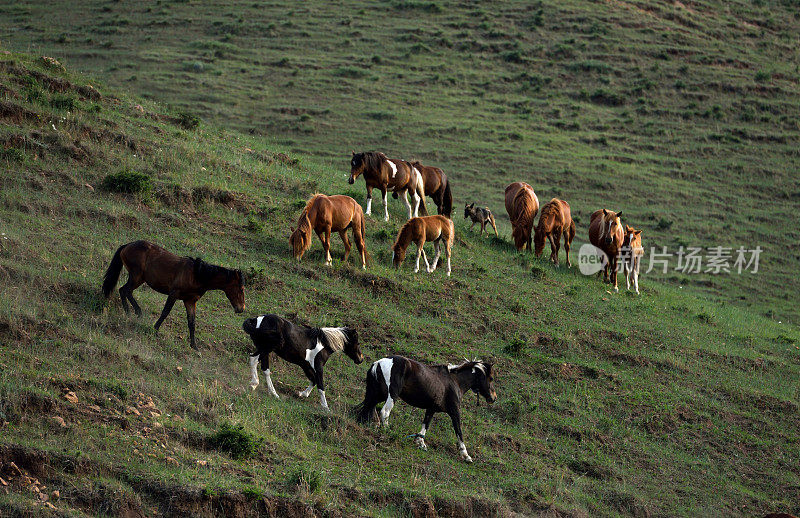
(462, 451)
(420, 251)
(369, 206)
(307, 391)
(386, 410)
(323, 401)
(386, 206)
(270, 387)
(254, 371)
(636, 274)
(438, 248)
(415, 196)
(448, 252)
(408, 205)
(427, 264)
(420, 440)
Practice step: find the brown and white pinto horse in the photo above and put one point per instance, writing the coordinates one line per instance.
(631, 256)
(555, 220)
(388, 174)
(522, 206)
(179, 278)
(437, 186)
(439, 388)
(438, 229)
(308, 347)
(326, 214)
(606, 233)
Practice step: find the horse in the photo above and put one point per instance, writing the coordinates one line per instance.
(631, 254)
(179, 278)
(308, 347)
(438, 388)
(480, 215)
(555, 220)
(326, 214)
(522, 206)
(437, 186)
(438, 229)
(606, 233)
(388, 174)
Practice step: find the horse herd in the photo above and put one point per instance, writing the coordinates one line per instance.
(439, 388)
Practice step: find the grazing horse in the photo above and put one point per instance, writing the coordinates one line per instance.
(388, 174)
(326, 214)
(437, 186)
(631, 255)
(438, 229)
(555, 220)
(438, 388)
(606, 233)
(522, 206)
(307, 347)
(179, 278)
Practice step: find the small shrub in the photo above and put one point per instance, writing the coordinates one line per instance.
(255, 225)
(128, 182)
(663, 224)
(252, 493)
(763, 75)
(515, 347)
(383, 234)
(13, 155)
(63, 102)
(538, 272)
(188, 121)
(235, 440)
(306, 476)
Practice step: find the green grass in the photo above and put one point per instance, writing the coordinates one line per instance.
(673, 403)
(686, 113)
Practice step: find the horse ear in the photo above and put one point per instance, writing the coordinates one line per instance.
(605, 212)
(638, 232)
(292, 229)
(628, 228)
(619, 214)
(354, 153)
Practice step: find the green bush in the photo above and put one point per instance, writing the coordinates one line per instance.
(188, 121)
(128, 182)
(235, 440)
(313, 478)
(63, 102)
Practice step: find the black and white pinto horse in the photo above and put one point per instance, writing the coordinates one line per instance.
(438, 388)
(307, 347)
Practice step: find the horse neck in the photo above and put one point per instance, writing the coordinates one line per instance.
(463, 379)
(404, 238)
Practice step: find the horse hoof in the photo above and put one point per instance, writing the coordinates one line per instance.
(466, 458)
(253, 386)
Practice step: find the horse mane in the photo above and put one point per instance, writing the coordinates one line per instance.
(373, 160)
(405, 229)
(205, 272)
(550, 209)
(523, 209)
(467, 364)
(335, 337)
(311, 202)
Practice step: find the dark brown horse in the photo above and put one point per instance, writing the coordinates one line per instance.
(607, 234)
(522, 206)
(438, 388)
(437, 186)
(326, 214)
(179, 278)
(555, 220)
(388, 174)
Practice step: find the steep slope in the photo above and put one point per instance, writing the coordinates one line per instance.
(664, 404)
(682, 114)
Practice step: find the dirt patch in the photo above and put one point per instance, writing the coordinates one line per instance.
(16, 114)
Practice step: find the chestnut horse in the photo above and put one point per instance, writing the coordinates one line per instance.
(437, 186)
(179, 278)
(388, 174)
(632, 253)
(326, 214)
(438, 229)
(555, 220)
(522, 206)
(606, 233)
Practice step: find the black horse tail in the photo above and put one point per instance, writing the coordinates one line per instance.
(365, 411)
(447, 200)
(112, 274)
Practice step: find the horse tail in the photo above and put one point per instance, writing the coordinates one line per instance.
(112, 274)
(421, 192)
(365, 411)
(494, 225)
(447, 200)
(359, 228)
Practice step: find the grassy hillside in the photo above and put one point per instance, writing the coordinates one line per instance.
(682, 114)
(664, 404)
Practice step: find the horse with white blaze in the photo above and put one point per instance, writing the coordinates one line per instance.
(438, 388)
(308, 347)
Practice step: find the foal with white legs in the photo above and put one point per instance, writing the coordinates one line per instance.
(631, 256)
(438, 388)
(438, 229)
(307, 347)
